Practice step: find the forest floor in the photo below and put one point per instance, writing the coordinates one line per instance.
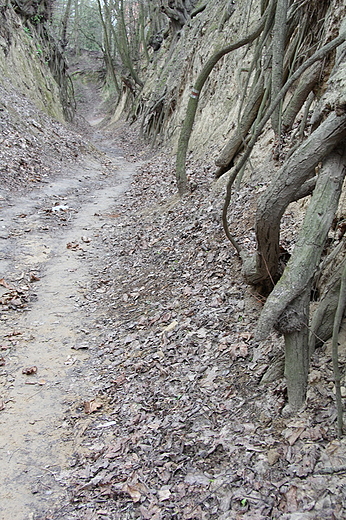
(131, 383)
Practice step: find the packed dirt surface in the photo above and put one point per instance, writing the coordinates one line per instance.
(131, 383)
(50, 245)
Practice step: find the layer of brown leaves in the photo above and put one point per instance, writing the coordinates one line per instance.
(188, 432)
(32, 146)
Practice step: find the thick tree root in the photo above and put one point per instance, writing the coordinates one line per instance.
(295, 331)
(236, 142)
(317, 56)
(307, 82)
(307, 253)
(321, 327)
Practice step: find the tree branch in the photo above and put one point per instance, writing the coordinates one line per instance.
(186, 129)
(318, 55)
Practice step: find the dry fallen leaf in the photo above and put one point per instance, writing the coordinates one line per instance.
(80, 346)
(113, 450)
(119, 380)
(238, 350)
(2, 405)
(164, 493)
(92, 406)
(246, 335)
(5, 284)
(29, 370)
(2, 361)
(291, 499)
(293, 434)
(150, 513)
(273, 456)
(72, 245)
(171, 326)
(133, 491)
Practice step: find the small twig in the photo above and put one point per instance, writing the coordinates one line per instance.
(330, 471)
(13, 452)
(267, 269)
(35, 393)
(336, 328)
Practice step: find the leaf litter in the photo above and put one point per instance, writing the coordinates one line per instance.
(186, 430)
(180, 426)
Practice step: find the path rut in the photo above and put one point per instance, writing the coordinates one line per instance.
(49, 243)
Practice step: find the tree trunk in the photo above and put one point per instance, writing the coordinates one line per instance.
(121, 40)
(107, 48)
(279, 40)
(64, 24)
(76, 29)
(307, 253)
(283, 190)
(295, 331)
(187, 125)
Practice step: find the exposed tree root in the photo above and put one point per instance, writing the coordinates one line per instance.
(306, 255)
(307, 82)
(285, 188)
(336, 369)
(328, 286)
(318, 55)
(236, 143)
(186, 129)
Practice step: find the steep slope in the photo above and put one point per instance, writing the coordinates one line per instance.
(36, 140)
(23, 66)
(175, 66)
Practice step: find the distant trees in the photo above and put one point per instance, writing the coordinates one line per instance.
(117, 28)
(77, 24)
(124, 31)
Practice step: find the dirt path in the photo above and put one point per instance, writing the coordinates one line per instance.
(127, 296)
(49, 245)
